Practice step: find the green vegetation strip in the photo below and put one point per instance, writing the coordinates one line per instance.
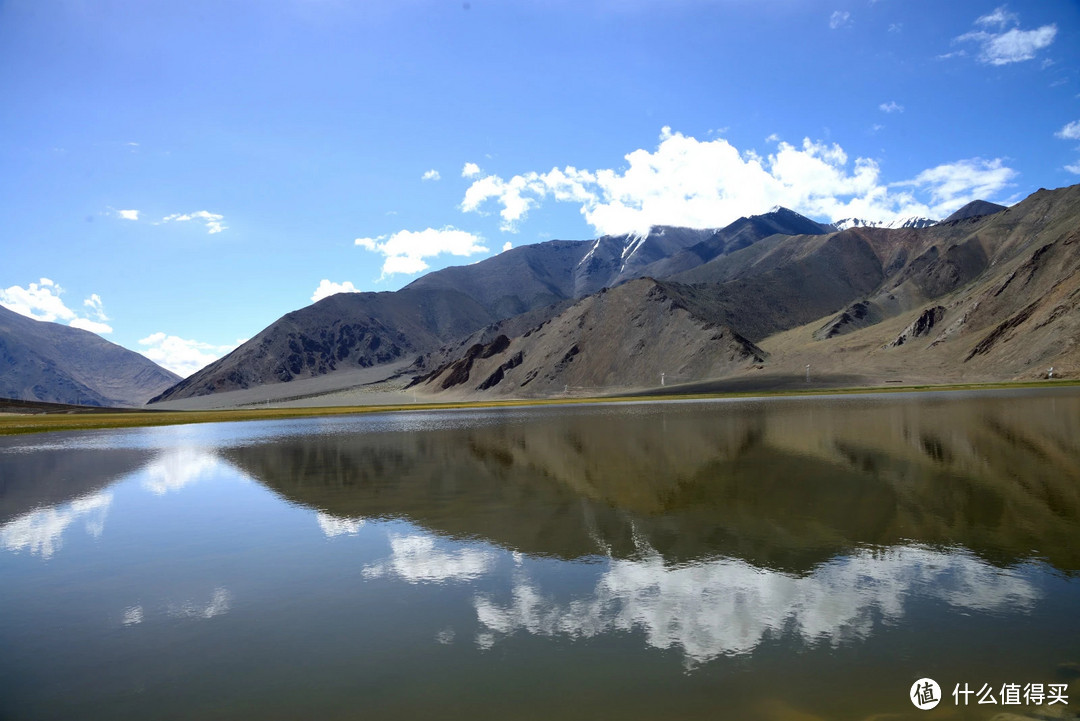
(12, 424)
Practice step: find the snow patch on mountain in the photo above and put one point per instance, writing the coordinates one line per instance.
(911, 221)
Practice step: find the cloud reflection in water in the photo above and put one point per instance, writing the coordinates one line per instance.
(727, 606)
(41, 531)
(416, 558)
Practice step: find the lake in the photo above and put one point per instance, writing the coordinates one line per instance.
(801, 558)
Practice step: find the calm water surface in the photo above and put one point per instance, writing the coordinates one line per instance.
(784, 559)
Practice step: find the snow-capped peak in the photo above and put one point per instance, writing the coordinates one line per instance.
(911, 221)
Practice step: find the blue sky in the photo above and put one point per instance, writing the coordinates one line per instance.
(182, 174)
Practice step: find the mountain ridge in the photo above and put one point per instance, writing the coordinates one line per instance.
(55, 363)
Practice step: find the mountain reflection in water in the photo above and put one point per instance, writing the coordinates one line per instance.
(779, 485)
(654, 560)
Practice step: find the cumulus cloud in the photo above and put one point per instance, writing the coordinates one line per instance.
(891, 107)
(214, 221)
(507, 246)
(840, 19)
(328, 288)
(1001, 41)
(128, 214)
(91, 325)
(708, 184)
(182, 356)
(1075, 168)
(471, 170)
(1071, 131)
(431, 175)
(405, 250)
(42, 301)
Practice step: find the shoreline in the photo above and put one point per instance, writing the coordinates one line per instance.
(25, 423)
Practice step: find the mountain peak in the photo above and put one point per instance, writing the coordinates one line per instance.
(975, 209)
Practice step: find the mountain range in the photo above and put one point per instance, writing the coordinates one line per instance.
(989, 293)
(986, 294)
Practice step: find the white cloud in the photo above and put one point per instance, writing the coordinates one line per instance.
(1073, 168)
(1006, 46)
(405, 250)
(181, 356)
(91, 325)
(507, 246)
(214, 221)
(94, 303)
(1001, 17)
(431, 175)
(953, 185)
(708, 184)
(1071, 131)
(41, 301)
(128, 214)
(891, 107)
(840, 19)
(328, 288)
(471, 170)
(896, 28)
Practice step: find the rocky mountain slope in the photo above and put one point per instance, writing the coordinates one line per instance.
(628, 336)
(42, 361)
(974, 209)
(983, 295)
(530, 283)
(980, 298)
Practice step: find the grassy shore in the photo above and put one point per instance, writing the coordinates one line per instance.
(15, 423)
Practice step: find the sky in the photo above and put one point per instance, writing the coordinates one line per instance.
(178, 175)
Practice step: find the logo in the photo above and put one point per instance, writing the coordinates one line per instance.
(925, 694)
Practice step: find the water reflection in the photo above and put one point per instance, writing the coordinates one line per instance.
(41, 531)
(176, 468)
(782, 486)
(802, 556)
(335, 526)
(727, 606)
(416, 558)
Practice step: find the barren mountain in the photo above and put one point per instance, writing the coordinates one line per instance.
(628, 336)
(57, 363)
(344, 331)
(982, 298)
(974, 209)
(522, 286)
